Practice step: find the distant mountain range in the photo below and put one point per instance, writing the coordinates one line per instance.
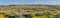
(30, 5)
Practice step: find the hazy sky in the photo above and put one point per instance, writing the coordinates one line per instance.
(46, 2)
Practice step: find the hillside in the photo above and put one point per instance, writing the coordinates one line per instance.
(30, 11)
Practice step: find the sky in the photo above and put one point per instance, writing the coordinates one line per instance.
(44, 2)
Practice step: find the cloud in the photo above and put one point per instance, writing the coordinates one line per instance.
(18, 2)
(51, 2)
(2, 3)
